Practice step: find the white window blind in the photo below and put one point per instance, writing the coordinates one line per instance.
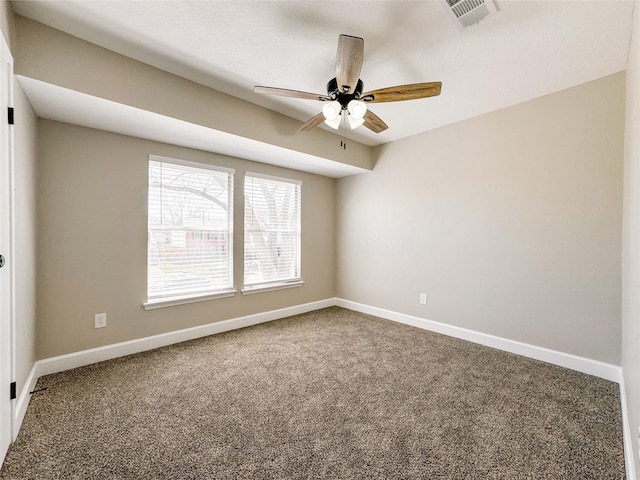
(190, 243)
(271, 229)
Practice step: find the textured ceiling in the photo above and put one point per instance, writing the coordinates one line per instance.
(527, 49)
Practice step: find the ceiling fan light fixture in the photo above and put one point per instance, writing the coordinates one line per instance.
(331, 112)
(344, 91)
(357, 109)
(334, 122)
(355, 122)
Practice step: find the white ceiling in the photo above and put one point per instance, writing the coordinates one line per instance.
(528, 49)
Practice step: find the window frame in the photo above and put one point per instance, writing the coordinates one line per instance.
(195, 295)
(271, 285)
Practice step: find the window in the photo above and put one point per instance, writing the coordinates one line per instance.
(189, 254)
(271, 232)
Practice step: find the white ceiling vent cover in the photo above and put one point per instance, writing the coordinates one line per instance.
(468, 12)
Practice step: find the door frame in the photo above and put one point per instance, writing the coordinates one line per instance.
(7, 244)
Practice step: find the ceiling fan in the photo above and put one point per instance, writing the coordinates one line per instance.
(344, 92)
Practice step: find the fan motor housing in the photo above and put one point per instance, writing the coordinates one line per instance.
(344, 97)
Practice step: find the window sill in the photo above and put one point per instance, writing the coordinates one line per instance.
(170, 302)
(271, 287)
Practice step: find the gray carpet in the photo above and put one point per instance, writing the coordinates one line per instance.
(329, 394)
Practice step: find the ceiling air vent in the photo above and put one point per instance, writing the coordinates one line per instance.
(468, 12)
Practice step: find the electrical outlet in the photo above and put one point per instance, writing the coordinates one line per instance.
(101, 320)
(423, 298)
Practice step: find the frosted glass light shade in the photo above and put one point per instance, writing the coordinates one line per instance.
(355, 122)
(331, 112)
(357, 109)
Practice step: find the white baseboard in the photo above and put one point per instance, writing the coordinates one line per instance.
(581, 364)
(86, 357)
(20, 407)
(626, 434)
(99, 354)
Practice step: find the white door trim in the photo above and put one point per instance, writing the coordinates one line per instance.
(7, 243)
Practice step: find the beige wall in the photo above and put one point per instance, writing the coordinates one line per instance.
(631, 241)
(510, 222)
(92, 241)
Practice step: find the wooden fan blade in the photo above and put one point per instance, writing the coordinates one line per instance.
(374, 122)
(314, 122)
(283, 92)
(349, 60)
(402, 92)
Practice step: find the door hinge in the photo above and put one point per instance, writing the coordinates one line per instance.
(10, 115)
(12, 391)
